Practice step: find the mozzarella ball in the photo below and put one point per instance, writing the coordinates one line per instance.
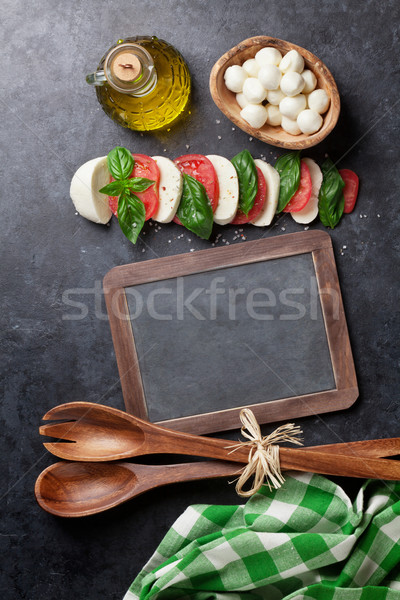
(290, 107)
(254, 114)
(290, 126)
(275, 96)
(292, 84)
(274, 116)
(309, 121)
(310, 81)
(319, 101)
(268, 56)
(235, 77)
(251, 67)
(241, 100)
(270, 77)
(292, 61)
(253, 90)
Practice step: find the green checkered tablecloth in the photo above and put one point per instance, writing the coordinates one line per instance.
(301, 542)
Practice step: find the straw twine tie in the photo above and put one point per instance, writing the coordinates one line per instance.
(263, 462)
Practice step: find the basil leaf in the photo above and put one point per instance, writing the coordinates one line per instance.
(120, 163)
(194, 210)
(139, 184)
(331, 198)
(131, 215)
(248, 180)
(288, 167)
(115, 188)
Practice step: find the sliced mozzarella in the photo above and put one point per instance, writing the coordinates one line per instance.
(170, 189)
(273, 183)
(310, 211)
(84, 190)
(228, 189)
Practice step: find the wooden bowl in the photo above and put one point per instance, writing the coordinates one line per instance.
(276, 136)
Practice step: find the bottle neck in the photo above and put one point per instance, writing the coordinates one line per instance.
(130, 69)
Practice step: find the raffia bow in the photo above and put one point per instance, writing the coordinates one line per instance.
(263, 462)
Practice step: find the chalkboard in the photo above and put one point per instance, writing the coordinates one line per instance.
(198, 337)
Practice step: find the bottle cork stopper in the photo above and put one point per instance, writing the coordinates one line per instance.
(126, 66)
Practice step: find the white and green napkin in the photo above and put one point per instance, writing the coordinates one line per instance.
(304, 541)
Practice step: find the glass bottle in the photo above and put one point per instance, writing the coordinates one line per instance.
(142, 83)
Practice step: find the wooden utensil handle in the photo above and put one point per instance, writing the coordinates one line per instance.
(368, 448)
(157, 475)
(291, 458)
(177, 442)
(334, 464)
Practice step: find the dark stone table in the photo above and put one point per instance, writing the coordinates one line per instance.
(52, 124)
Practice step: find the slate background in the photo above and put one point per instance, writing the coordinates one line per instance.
(52, 124)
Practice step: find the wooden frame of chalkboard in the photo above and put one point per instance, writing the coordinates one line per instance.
(316, 244)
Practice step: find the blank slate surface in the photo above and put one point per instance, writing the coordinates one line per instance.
(198, 337)
(236, 336)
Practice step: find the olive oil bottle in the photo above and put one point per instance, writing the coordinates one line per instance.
(142, 83)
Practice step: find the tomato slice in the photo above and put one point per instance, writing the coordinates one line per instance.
(299, 200)
(144, 167)
(259, 201)
(202, 169)
(350, 190)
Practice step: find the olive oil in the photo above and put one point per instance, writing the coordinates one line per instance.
(146, 90)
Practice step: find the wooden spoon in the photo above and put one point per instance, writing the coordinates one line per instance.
(102, 433)
(76, 489)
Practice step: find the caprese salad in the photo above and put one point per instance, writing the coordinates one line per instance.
(196, 190)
